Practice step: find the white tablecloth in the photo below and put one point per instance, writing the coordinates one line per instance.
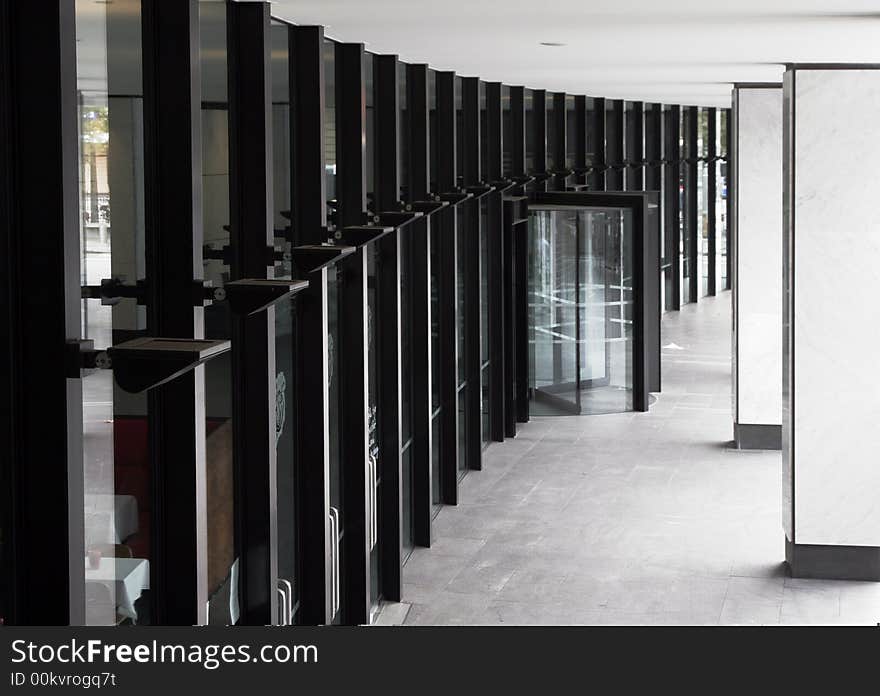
(110, 519)
(126, 578)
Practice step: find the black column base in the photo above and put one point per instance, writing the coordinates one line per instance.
(757, 437)
(833, 562)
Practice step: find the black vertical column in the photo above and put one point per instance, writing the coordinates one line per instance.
(253, 337)
(494, 133)
(351, 133)
(711, 190)
(598, 124)
(560, 142)
(615, 135)
(580, 139)
(653, 146)
(387, 188)
(309, 225)
(41, 394)
(692, 213)
(634, 141)
(495, 269)
(173, 225)
(447, 176)
(470, 136)
(539, 123)
(672, 203)
(517, 131)
(418, 185)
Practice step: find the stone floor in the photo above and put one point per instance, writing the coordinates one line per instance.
(627, 519)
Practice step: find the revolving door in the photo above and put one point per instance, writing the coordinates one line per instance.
(585, 306)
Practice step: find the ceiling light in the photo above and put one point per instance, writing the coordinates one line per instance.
(551, 43)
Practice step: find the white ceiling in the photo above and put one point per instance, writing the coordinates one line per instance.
(673, 51)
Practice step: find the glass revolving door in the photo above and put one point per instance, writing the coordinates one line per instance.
(580, 310)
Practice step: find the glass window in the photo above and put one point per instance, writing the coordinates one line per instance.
(222, 577)
(117, 476)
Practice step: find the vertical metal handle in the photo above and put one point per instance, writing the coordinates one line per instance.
(287, 588)
(282, 607)
(334, 562)
(371, 497)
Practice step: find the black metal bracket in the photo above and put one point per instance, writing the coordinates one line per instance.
(455, 197)
(426, 207)
(479, 191)
(82, 355)
(112, 290)
(361, 235)
(314, 257)
(251, 295)
(396, 218)
(145, 363)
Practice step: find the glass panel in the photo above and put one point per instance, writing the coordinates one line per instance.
(402, 132)
(285, 314)
(552, 311)
(373, 327)
(222, 575)
(462, 220)
(436, 372)
(462, 430)
(571, 132)
(117, 500)
(436, 480)
(605, 308)
(370, 128)
(685, 265)
(406, 525)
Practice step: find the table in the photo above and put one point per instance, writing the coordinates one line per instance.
(126, 578)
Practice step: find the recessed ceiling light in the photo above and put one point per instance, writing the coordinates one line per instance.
(551, 43)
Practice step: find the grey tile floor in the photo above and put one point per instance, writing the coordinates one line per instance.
(627, 519)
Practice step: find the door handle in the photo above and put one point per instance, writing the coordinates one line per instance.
(286, 588)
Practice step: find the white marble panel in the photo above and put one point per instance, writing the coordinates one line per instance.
(835, 239)
(758, 255)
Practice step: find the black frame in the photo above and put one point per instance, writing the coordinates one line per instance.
(672, 205)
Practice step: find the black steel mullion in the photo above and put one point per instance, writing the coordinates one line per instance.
(614, 146)
(470, 132)
(672, 203)
(253, 364)
(351, 134)
(494, 133)
(41, 294)
(419, 171)
(387, 188)
(692, 244)
(173, 235)
(653, 146)
(598, 177)
(470, 135)
(517, 131)
(711, 190)
(580, 138)
(539, 116)
(446, 181)
(309, 223)
(560, 142)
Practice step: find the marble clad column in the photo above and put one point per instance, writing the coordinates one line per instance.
(831, 361)
(757, 265)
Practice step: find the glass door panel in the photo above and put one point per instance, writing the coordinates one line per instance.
(287, 546)
(222, 576)
(553, 311)
(117, 476)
